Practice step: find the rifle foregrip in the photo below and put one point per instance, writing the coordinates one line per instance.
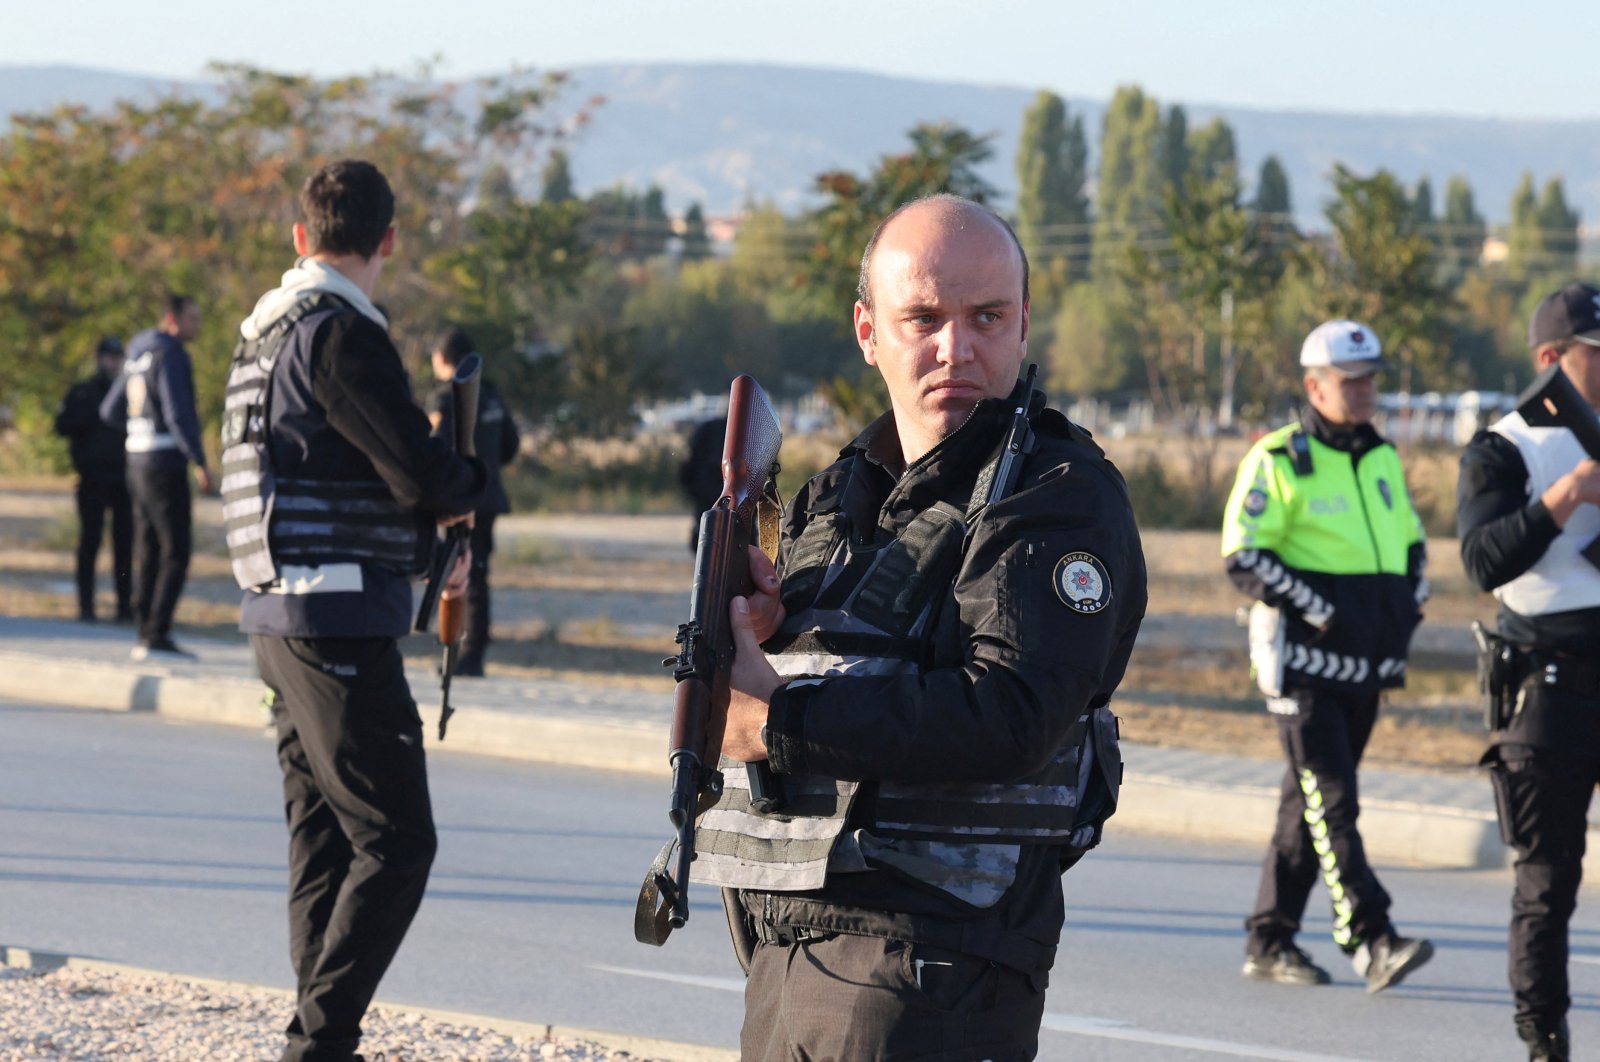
(452, 618)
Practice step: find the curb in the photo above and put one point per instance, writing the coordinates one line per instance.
(666, 1050)
(1421, 835)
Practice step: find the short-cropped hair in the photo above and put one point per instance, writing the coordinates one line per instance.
(347, 208)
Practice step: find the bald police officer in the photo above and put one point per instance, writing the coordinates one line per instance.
(1320, 530)
(944, 754)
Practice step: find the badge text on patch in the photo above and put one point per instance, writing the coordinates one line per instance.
(1082, 583)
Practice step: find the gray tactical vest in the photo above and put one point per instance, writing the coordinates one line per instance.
(962, 838)
(270, 519)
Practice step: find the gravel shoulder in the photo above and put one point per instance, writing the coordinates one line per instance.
(92, 1012)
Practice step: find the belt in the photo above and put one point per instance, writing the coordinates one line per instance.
(787, 936)
(1562, 672)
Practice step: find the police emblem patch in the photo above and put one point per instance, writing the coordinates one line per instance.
(1081, 583)
(1255, 503)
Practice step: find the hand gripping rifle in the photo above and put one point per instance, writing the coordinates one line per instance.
(746, 513)
(1552, 402)
(452, 613)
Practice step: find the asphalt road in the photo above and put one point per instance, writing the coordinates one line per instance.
(145, 842)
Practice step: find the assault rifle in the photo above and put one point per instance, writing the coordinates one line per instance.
(452, 613)
(1552, 402)
(746, 514)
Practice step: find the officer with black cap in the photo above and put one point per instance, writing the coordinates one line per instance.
(1529, 505)
(99, 458)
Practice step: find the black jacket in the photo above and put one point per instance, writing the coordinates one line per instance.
(496, 438)
(1010, 662)
(96, 447)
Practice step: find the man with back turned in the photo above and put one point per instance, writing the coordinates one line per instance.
(332, 486)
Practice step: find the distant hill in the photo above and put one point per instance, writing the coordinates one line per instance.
(724, 133)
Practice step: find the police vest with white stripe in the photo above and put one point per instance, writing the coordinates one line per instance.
(1562, 579)
(962, 838)
(273, 520)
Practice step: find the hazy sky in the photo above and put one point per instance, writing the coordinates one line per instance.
(1470, 57)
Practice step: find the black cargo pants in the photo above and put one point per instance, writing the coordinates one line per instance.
(869, 998)
(1316, 835)
(95, 495)
(1544, 771)
(361, 834)
(162, 543)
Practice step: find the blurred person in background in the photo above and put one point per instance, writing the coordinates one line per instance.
(496, 440)
(153, 402)
(100, 460)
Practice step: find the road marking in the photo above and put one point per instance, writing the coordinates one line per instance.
(1103, 1028)
(726, 984)
(1118, 1030)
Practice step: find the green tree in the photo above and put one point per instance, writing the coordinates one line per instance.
(556, 181)
(1213, 155)
(1524, 240)
(696, 242)
(1272, 190)
(109, 209)
(1052, 205)
(1128, 208)
(1558, 226)
(1175, 145)
(1463, 229)
(1386, 275)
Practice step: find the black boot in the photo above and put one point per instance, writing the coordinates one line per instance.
(1546, 1043)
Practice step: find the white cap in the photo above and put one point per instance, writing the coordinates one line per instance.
(1349, 347)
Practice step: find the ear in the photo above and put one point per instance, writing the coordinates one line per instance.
(864, 337)
(302, 242)
(386, 248)
(1547, 355)
(1025, 307)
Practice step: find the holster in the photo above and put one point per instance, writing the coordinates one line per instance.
(1501, 667)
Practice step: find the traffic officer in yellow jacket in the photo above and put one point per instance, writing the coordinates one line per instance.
(1320, 530)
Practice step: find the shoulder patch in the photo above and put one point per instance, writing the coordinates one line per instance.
(1255, 503)
(1082, 583)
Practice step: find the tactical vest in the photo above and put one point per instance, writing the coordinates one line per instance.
(962, 838)
(1561, 580)
(270, 519)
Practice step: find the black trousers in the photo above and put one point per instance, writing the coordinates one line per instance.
(361, 835)
(1544, 772)
(1316, 833)
(162, 544)
(96, 495)
(864, 999)
(475, 639)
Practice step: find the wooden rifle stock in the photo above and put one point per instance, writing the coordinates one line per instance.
(705, 653)
(452, 613)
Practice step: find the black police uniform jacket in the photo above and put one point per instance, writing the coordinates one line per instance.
(1029, 632)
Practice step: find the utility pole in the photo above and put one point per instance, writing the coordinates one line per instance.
(1230, 370)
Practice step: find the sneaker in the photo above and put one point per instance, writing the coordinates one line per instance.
(1286, 965)
(1386, 960)
(160, 649)
(1545, 1044)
